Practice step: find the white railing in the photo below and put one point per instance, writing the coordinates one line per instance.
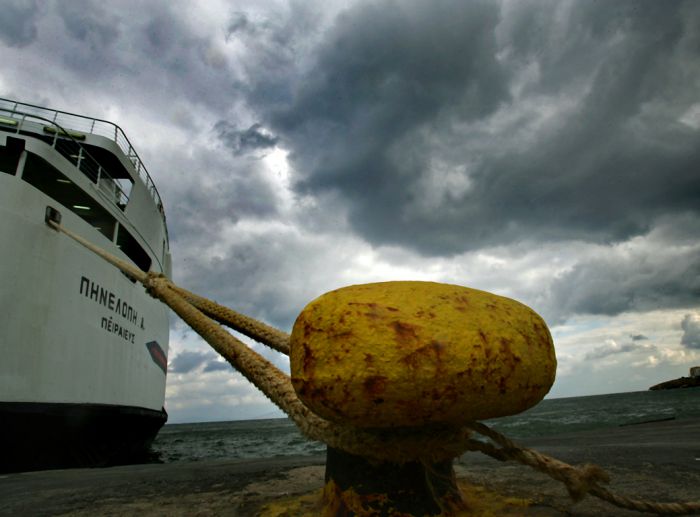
(94, 126)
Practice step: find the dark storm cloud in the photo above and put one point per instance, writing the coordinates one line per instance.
(110, 51)
(217, 366)
(240, 23)
(254, 277)
(691, 331)
(214, 191)
(241, 141)
(188, 361)
(18, 22)
(415, 115)
(611, 287)
(656, 274)
(227, 201)
(90, 23)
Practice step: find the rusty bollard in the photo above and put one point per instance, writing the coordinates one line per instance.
(397, 356)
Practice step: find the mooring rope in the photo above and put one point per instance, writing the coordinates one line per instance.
(579, 481)
(395, 445)
(259, 331)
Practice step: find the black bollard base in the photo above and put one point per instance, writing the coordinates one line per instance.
(354, 486)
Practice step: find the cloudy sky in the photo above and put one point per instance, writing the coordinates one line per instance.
(547, 151)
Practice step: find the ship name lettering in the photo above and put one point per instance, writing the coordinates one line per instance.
(94, 291)
(106, 298)
(114, 328)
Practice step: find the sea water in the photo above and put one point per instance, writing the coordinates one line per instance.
(280, 437)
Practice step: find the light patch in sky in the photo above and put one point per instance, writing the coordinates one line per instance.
(278, 172)
(691, 117)
(441, 183)
(604, 348)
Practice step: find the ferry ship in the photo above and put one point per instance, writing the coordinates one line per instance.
(83, 348)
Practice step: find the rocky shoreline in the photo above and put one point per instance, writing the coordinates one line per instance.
(682, 382)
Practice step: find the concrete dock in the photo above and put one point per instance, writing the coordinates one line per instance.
(658, 461)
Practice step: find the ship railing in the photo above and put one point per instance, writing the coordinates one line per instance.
(94, 126)
(65, 141)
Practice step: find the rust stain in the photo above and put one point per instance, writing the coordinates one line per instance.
(309, 362)
(463, 303)
(431, 353)
(404, 331)
(413, 359)
(464, 373)
(542, 334)
(366, 304)
(505, 349)
(438, 348)
(308, 329)
(375, 385)
(526, 337)
(449, 393)
(341, 334)
(373, 311)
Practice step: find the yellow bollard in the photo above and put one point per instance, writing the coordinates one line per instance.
(416, 356)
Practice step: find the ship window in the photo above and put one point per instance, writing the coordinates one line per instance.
(42, 175)
(45, 177)
(133, 249)
(9, 155)
(117, 188)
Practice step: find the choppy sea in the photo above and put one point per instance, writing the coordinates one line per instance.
(279, 437)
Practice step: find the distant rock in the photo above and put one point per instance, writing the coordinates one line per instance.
(683, 382)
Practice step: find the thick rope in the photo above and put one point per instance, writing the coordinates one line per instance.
(259, 331)
(393, 445)
(579, 481)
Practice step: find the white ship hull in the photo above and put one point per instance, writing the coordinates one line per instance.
(83, 348)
